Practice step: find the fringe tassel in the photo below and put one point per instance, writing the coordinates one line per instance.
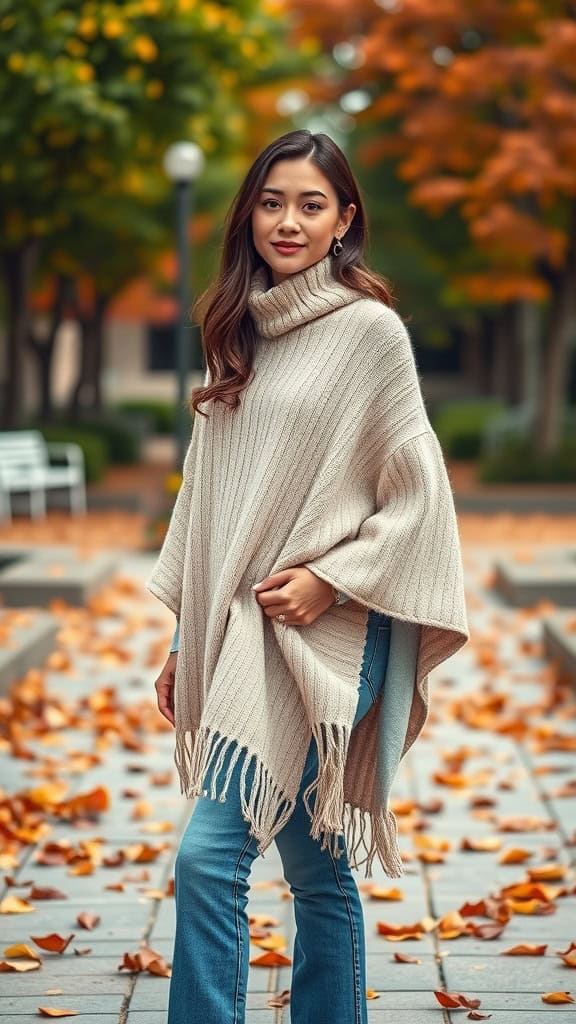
(383, 840)
(332, 742)
(266, 809)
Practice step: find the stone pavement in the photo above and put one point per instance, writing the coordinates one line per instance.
(523, 768)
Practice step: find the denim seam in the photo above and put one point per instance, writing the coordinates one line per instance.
(237, 926)
(355, 957)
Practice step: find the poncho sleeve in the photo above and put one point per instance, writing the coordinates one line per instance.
(405, 559)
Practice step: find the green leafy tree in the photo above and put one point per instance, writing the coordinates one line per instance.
(90, 96)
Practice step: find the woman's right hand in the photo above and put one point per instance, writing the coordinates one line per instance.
(164, 686)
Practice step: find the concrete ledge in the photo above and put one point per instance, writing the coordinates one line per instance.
(547, 577)
(29, 643)
(45, 574)
(560, 642)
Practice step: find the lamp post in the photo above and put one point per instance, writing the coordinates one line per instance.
(183, 162)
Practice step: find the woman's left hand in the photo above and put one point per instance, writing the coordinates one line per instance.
(297, 593)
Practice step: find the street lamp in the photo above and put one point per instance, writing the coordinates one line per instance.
(183, 162)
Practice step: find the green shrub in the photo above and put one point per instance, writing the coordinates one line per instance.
(460, 424)
(163, 415)
(517, 462)
(94, 448)
(119, 436)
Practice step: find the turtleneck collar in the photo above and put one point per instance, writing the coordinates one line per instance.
(303, 296)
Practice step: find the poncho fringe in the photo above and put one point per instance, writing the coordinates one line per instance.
(267, 809)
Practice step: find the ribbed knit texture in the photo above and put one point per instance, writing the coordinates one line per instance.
(330, 462)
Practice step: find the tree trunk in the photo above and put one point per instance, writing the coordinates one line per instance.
(44, 349)
(555, 350)
(87, 391)
(18, 267)
(504, 349)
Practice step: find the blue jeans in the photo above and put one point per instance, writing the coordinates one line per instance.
(212, 944)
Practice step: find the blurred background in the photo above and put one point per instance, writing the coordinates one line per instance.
(459, 119)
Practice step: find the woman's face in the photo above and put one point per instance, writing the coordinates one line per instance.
(298, 207)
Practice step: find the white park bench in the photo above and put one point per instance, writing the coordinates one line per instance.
(25, 466)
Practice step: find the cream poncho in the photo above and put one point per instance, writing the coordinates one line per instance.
(330, 462)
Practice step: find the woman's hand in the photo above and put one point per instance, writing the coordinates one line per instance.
(298, 593)
(164, 686)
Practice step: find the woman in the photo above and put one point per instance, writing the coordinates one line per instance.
(313, 563)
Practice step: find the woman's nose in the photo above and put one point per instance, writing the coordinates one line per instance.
(289, 219)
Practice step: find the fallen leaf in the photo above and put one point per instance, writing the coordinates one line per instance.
(569, 958)
(271, 959)
(46, 893)
(525, 949)
(20, 949)
(53, 942)
(281, 999)
(514, 855)
(453, 1000)
(372, 994)
(88, 921)
(269, 941)
(547, 873)
(558, 997)
(399, 932)
(489, 844)
(55, 1011)
(19, 965)
(14, 905)
(386, 894)
(405, 958)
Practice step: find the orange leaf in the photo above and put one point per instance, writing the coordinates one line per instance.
(160, 967)
(55, 1011)
(558, 997)
(46, 893)
(270, 941)
(405, 958)
(547, 873)
(514, 855)
(88, 921)
(271, 959)
(281, 999)
(452, 1000)
(452, 925)
(525, 949)
(53, 942)
(531, 907)
(487, 845)
(386, 894)
(372, 994)
(14, 905)
(19, 965)
(20, 949)
(398, 932)
(569, 958)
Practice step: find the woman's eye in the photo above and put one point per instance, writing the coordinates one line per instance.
(316, 206)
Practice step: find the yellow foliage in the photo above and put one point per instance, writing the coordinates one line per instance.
(85, 72)
(88, 28)
(16, 62)
(145, 48)
(154, 89)
(113, 27)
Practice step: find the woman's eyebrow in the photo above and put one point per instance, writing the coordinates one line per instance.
(311, 192)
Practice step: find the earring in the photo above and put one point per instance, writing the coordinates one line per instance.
(337, 248)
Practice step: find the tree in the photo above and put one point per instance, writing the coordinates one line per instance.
(90, 96)
(474, 103)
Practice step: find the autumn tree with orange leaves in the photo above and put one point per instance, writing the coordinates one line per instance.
(474, 102)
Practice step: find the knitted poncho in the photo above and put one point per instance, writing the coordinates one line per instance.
(330, 462)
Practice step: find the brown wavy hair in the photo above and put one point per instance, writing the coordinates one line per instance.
(228, 332)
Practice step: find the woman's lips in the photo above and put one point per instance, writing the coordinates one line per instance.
(286, 247)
